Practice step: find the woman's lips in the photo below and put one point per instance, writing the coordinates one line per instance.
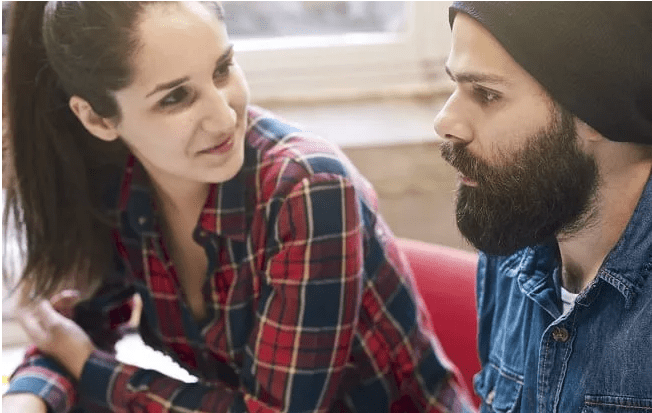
(221, 148)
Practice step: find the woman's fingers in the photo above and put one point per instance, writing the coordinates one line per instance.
(57, 336)
(40, 320)
(33, 325)
(45, 313)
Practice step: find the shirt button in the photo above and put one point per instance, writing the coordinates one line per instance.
(560, 334)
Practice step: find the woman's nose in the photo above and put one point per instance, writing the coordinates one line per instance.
(451, 123)
(218, 113)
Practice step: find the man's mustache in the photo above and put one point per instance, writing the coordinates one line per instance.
(459, 158)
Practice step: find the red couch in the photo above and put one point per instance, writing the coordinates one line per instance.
(446, 280)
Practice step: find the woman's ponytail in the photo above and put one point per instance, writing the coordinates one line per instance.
(52, 201)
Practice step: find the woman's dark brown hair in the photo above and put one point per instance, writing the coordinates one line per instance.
(57, 50)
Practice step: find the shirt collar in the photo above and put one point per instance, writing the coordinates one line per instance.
(224, 212)
(629, 264)
(627, 267)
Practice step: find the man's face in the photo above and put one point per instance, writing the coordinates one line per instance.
(523, 176)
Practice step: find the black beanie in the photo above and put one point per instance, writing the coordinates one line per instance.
(593, 58)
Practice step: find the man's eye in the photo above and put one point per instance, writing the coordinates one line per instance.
(178, 95)
(485, 96)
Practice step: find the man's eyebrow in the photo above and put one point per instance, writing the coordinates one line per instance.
(174, 83)
(471, 77)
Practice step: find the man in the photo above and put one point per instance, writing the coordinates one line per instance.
(550, 127)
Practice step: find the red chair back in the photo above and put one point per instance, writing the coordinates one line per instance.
(445, 278)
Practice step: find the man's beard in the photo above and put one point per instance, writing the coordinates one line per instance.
(546, 189)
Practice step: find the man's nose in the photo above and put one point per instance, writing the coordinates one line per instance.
(451, 123)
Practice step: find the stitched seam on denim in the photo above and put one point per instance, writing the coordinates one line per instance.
(532, 287)
(566, 358)
(508, 375)
(629, 406)
(620, 285)
(513, 261)
(648, 266)
(590, 293)
(611, 398)
(541, 397)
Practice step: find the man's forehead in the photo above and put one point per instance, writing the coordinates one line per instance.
(476, 55)
(474, 49)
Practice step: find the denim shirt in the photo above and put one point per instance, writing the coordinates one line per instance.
(595, 358)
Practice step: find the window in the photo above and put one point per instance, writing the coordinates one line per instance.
(337, 49)
(324, 50)
(246, 20)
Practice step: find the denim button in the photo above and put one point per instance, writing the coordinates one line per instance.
(142, 220)
(560, 334)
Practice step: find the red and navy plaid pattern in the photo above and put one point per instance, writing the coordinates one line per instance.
(311, 307)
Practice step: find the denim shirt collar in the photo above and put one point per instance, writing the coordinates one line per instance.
(627, 267)
(629, 264)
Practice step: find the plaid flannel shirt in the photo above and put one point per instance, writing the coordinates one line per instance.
(311, 307)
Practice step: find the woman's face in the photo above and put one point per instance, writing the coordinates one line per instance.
(184, 115)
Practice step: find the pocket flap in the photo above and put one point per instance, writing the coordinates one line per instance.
(616, 404)
(499, 390)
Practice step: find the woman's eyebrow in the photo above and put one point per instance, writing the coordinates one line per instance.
(174, 83)
(228, 53)
(168, 85)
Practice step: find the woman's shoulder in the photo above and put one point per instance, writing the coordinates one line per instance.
(279, 141)
(286, 154)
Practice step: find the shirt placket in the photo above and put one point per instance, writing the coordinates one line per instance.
(554, 354)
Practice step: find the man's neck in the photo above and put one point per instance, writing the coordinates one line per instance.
(583, 252)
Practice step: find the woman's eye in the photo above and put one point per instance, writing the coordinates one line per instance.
(177, 96)
(223, 70)
(485, 96)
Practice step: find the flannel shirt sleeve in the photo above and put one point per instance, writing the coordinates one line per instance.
(108, 385)
(307, 315)
(299, 347)
(43, 376)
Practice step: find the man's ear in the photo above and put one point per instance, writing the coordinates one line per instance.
(587, 132)
(100, 127)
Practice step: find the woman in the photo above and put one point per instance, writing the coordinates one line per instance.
(262, 264)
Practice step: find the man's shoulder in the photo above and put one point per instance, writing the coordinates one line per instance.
(501, 265)
(541, 257)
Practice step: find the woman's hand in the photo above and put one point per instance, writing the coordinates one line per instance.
(55, 334)
(23, 402)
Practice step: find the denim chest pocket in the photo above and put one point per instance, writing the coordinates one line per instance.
(500, 391)
(616, 404)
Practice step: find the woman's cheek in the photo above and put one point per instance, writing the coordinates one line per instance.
(241, 95)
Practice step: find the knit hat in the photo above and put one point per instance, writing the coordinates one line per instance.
(593, 58)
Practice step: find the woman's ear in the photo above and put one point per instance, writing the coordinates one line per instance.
(100, 127)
